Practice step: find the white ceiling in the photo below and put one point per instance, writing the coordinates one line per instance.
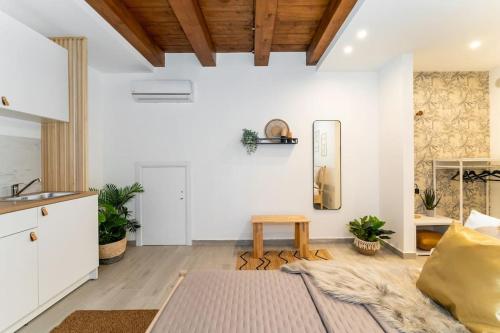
(108, 50)
(438, 32)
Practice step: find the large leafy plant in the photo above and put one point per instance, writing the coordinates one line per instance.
(114, 216)
(369, 229)
(112, 224)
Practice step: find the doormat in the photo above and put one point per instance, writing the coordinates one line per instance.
(111, 321)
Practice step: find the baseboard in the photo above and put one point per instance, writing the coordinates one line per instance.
(270, 242)
(404, 255)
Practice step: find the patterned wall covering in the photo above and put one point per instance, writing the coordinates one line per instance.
(454, 124)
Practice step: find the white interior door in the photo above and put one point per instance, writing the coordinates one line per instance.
(163, 205)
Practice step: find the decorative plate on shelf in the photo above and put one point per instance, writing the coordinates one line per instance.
(275, 127)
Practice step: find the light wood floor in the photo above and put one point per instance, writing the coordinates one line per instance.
(146, 275)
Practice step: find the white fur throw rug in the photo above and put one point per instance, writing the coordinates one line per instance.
(390, 291)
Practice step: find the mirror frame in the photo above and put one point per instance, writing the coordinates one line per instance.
(340, 154)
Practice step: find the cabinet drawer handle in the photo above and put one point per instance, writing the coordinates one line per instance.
(45, 211)
(33, 236)
(5, 101)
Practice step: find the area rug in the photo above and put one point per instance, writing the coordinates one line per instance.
(274, 259)
(112, 321)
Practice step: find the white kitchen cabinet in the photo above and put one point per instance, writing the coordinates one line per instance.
(68, 247)
(33, 73)
(18, 277)
(12, 223)
(36, 273)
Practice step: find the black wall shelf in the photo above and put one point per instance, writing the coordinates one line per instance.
(277, 141)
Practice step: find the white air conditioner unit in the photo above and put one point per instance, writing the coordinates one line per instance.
(162, 91)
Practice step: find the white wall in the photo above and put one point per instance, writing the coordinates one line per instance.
(228, 185)
(396, 151)
(495, 136)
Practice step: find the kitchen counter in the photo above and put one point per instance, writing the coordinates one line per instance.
(14, 206)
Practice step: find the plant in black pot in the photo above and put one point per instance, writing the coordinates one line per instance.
(368, 232)
(115, 220)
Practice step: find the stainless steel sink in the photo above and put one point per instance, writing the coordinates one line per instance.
(37, 196)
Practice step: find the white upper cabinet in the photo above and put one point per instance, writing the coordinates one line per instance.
(33, 73)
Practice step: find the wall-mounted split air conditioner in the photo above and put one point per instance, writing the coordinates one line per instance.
(162, 91)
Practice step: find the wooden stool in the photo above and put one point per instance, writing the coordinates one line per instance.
(301, 232)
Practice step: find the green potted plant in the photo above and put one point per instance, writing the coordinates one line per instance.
(249, 140)
(430, 202)
(114, 220)
(367, 233)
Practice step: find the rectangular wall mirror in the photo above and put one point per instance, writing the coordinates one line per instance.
(326, 165)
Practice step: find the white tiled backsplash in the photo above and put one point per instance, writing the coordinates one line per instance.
(20, 162)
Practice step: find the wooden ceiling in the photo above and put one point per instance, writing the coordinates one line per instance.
(155, 27)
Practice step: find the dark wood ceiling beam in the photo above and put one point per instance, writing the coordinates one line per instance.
(118, 15)
(335, 15)
(195, 27)
(265, 18)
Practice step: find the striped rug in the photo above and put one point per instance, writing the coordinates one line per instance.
(274, 259)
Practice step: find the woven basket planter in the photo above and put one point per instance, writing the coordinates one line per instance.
(366, 248)
(112, 252)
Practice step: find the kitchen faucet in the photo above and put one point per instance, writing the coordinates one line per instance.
(15, 188)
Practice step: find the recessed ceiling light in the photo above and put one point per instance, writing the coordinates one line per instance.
(361, 34)
(348, 49)
(475, 44)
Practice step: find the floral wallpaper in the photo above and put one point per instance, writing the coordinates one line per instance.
(454, 124)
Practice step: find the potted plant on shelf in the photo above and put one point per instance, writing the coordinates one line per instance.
(368, 232)
(249, 140)
(114, 220)
(430, 202)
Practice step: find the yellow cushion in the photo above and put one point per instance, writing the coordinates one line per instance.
(463, 275)
(427, 239)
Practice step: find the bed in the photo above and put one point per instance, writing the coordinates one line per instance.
(259, 301)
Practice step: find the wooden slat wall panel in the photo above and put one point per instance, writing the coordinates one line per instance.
(64, 145)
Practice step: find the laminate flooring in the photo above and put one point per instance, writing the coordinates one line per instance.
(146, 275)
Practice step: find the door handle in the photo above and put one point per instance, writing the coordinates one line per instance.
(33, 236)
(5, 101)
(45, 211)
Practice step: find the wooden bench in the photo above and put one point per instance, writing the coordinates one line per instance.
(301, 232)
